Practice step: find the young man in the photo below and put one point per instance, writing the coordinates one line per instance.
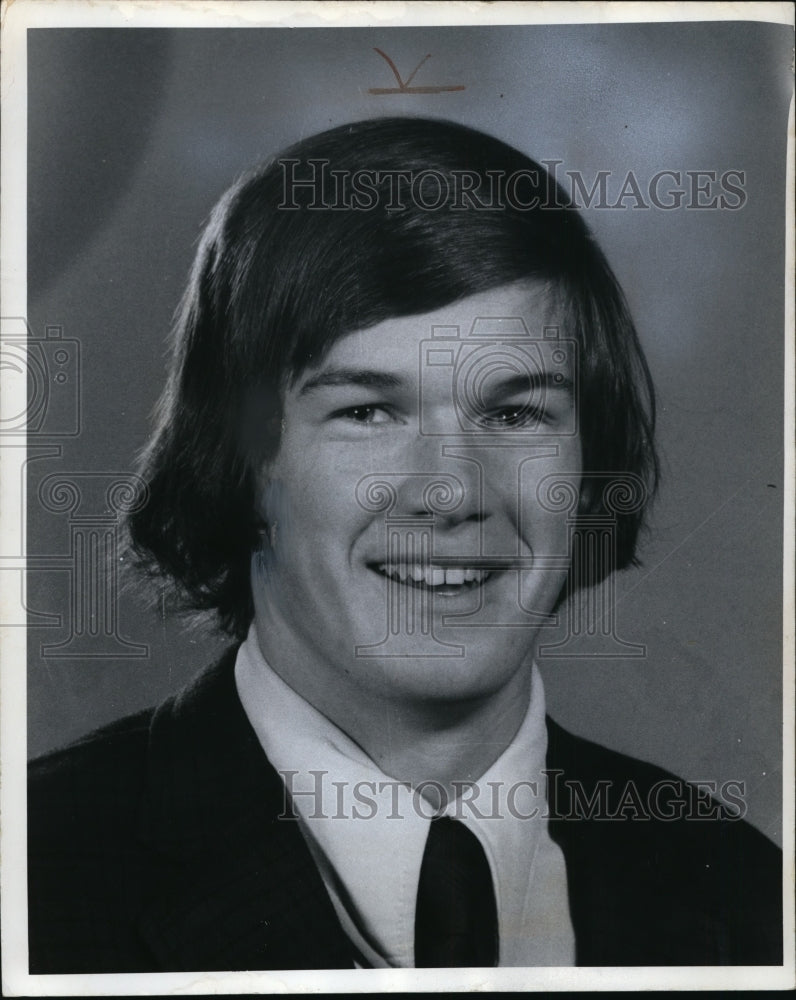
(407, 415)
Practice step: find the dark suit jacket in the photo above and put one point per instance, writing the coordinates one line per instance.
(155, 845)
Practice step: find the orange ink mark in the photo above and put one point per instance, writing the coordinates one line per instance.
(403, 85)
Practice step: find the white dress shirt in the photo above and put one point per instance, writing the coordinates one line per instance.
(367, 832)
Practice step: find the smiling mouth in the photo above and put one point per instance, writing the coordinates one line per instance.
(439, 579)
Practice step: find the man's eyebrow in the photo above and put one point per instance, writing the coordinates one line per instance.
(371, 378)
(530, 381)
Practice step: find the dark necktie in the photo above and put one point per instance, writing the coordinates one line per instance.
(456, 916)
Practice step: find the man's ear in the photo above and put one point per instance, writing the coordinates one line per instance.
(271, 507)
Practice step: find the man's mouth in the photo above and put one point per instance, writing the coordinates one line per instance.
(430, 577)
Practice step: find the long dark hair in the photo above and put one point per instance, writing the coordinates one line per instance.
(348, 228)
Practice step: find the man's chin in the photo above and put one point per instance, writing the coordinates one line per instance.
(429, 670)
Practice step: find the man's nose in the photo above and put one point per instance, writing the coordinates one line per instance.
(435, 483)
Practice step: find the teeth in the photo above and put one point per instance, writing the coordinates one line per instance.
(433, 576)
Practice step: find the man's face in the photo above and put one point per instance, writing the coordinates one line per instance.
(410, 557)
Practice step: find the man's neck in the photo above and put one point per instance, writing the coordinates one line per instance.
(442, 744)
(437, 741)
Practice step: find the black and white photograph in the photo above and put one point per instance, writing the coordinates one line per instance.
(397, 497)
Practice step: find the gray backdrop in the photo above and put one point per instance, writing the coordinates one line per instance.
(133, 135)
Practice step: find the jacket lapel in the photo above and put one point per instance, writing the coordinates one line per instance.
(234, 886)
(638, 893)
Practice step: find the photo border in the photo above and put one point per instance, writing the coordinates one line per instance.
(21, 15)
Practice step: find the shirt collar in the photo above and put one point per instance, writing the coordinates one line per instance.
(367, 832)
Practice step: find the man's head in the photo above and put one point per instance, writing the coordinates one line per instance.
(343, 233)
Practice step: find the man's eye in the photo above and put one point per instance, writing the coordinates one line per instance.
(364, 414)
(511, 416)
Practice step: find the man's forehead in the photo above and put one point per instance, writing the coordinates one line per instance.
(522, 309)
